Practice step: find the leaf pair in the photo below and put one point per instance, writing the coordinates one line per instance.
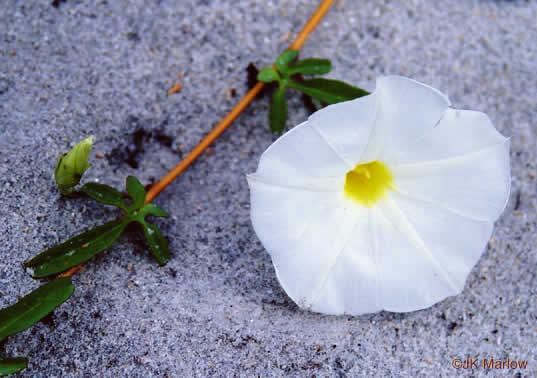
(28, 311)
(86, 245)
(286, 71)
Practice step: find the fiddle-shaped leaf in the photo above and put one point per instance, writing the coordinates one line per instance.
(150, 209)
(285, 58)
(136, 191)
(105, 194)
(157, 243)
(76, 250)
(268, 75)
(278, 111)
(86, 245)
(327, 90)
(12, 365)
(311, 66)
(34, 306)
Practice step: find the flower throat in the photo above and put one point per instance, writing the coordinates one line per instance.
(367, 183)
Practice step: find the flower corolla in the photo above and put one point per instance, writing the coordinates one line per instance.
(385, 202)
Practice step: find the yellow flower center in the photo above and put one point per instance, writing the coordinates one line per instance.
(367, 183)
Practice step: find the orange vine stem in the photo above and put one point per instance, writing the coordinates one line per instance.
(225, 123)
(69, 272)
(234, 113)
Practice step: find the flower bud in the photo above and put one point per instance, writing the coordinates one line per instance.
(72, 165)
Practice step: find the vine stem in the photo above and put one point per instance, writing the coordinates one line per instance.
(234, 113)
(167, 179)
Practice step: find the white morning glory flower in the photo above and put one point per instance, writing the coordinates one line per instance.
(384, 202)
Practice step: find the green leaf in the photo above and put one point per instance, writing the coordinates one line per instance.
(34, 306)
(311, 66)
(136, 190)
(157, 242)
(267, 75)
(329, 91)
(76, 250)
(12, 365)
(282, 62)
(278, 111)
(104, 194)
(150, 209)
(71, 166)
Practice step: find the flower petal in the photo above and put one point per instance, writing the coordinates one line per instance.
(424, 252)
(280, 213)
(476, 184)
(459, 132)
(314, 241)
(346, 126)
(406, 110)
(349, 283)
(301, 152)
(456, 241)
(299, 233)
(408, 278)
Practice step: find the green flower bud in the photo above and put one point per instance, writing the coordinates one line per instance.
(72, 165)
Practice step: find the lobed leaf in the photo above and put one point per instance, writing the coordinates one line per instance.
(311, 66)
(105, 194)
(327, 90)
(282, 62)
(12, 365)
(278, 111)
(268, 75)
(157, 243)
(76, 250)
(150, 209)
(136, 190)
(34, 306)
